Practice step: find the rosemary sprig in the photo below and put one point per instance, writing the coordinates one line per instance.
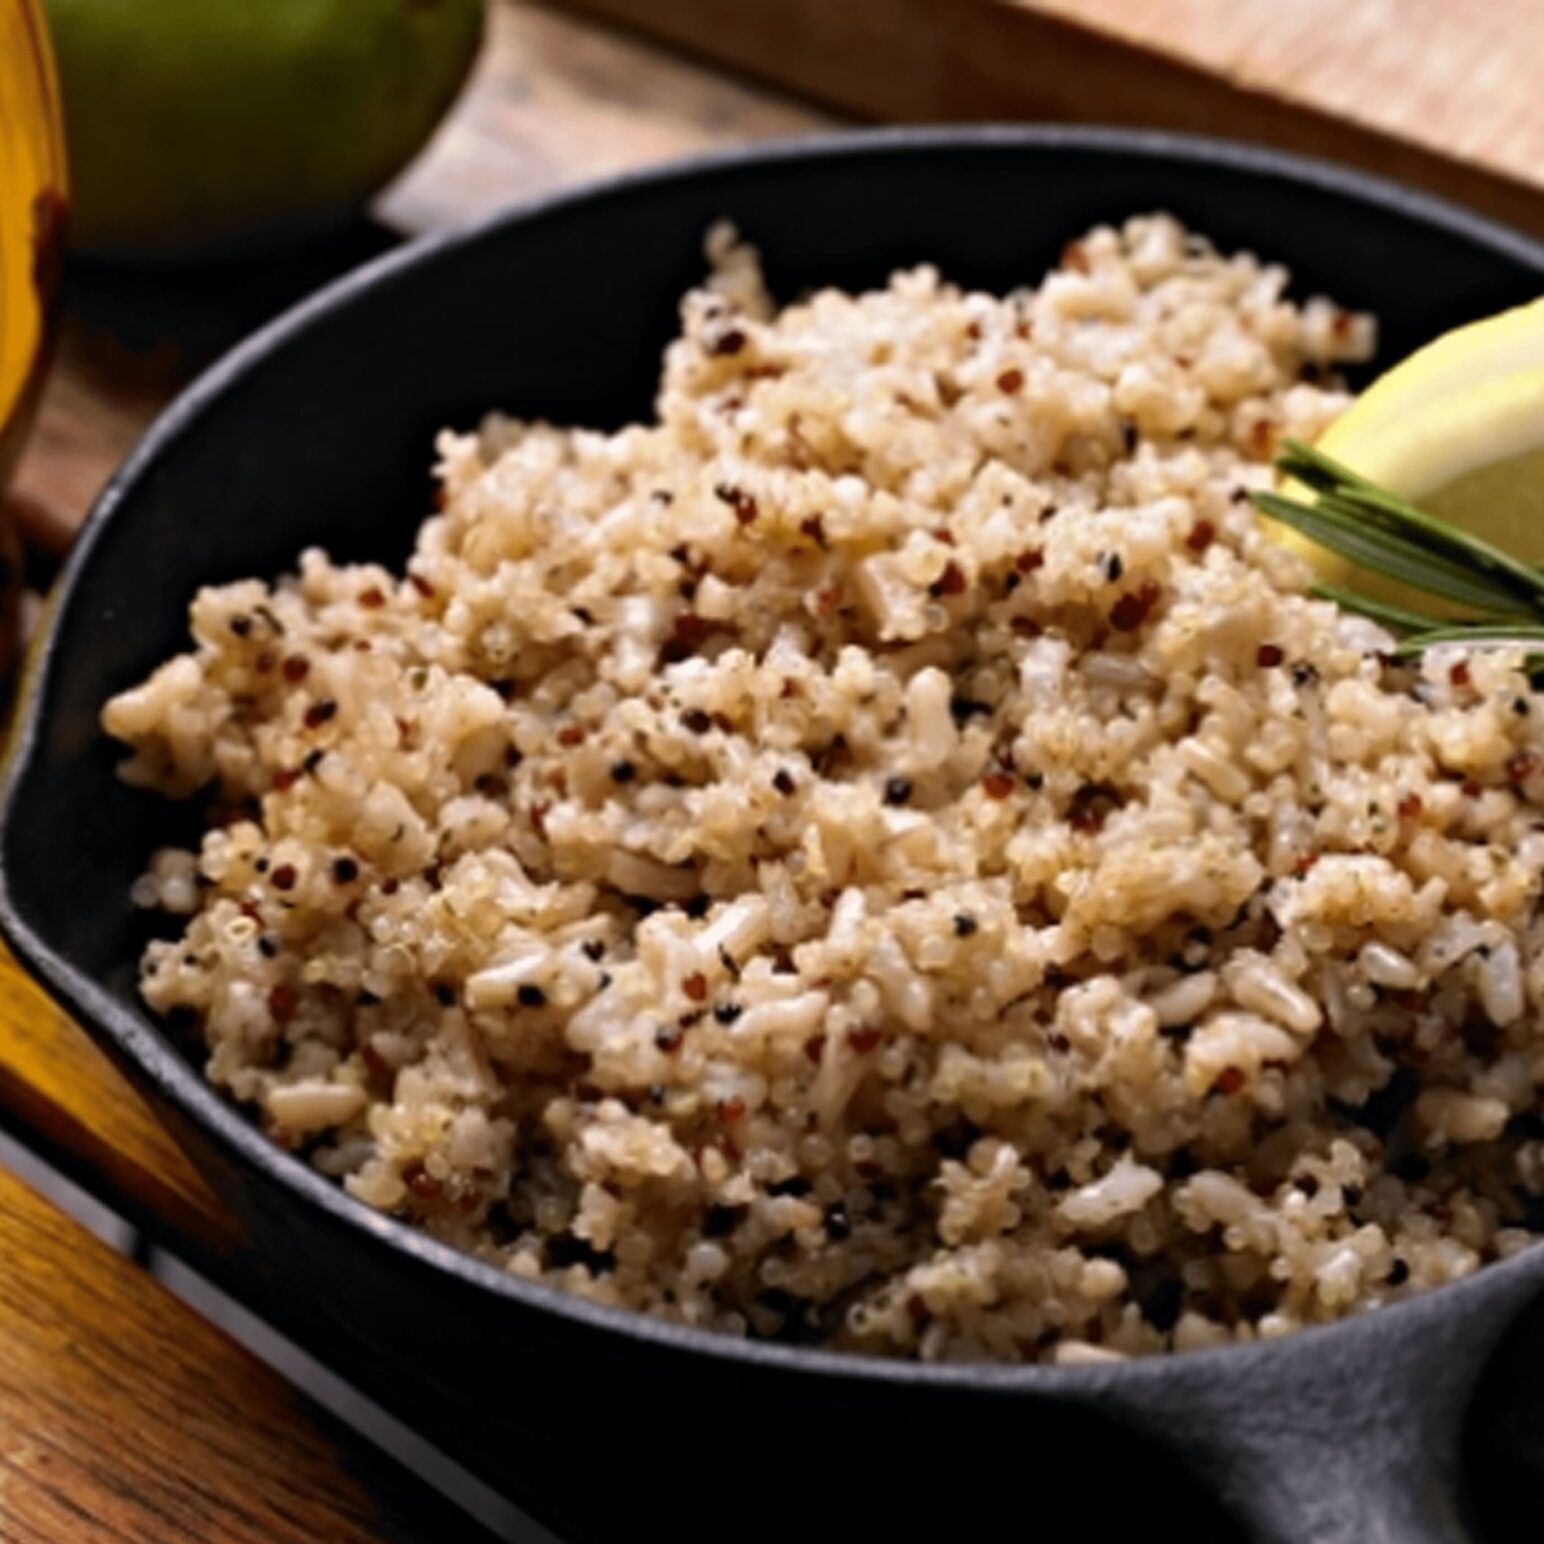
(1336, 523)
(1387, 535)
(1470, 632)
(1351, 493)
(1395, 617)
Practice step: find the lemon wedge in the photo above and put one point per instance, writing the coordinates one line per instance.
(1457, 429)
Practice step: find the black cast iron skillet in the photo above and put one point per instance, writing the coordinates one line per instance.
(319, 430)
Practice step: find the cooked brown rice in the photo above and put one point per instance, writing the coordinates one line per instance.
(886, 855)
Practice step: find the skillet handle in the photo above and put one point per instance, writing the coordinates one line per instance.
(1349, 1435)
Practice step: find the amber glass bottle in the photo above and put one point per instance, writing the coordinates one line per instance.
(33, 206)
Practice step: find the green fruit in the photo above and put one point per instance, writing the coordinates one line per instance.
(193, 123)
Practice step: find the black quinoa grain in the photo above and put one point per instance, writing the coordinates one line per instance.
(719, 1221)
(345, 870)
(565, 1251)
(838, 1222)
(696, 721)
(957, 1138)
(530, 995)
(1161, 1305)
(1113, 567)
(623, 771)
(782, 781)
(964, 924)
(727, 1013)
(268, 946)
(445, 994)
(1399, 1271)
(313, 760)
(241, 625)
(320, 713)
(593, 949)
(897, 790)
(1091, 805)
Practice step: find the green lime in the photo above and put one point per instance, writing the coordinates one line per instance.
(198, 122)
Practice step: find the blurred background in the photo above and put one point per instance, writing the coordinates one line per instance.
(175, 172)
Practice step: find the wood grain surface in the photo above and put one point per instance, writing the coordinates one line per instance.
(553, 101)
(124, 1418)
(1458, 78)
(1430, 91)
(67, 1101)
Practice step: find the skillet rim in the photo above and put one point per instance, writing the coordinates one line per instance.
(134, 1036)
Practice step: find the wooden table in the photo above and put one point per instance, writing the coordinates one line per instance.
(122, 1416)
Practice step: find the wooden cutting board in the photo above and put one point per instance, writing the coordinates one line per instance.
(1436, 92)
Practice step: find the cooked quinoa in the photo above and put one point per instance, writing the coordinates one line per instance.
(886, 855)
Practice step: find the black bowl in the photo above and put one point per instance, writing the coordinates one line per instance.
(319, 430)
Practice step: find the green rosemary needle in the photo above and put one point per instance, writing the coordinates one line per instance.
(1386, 535)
